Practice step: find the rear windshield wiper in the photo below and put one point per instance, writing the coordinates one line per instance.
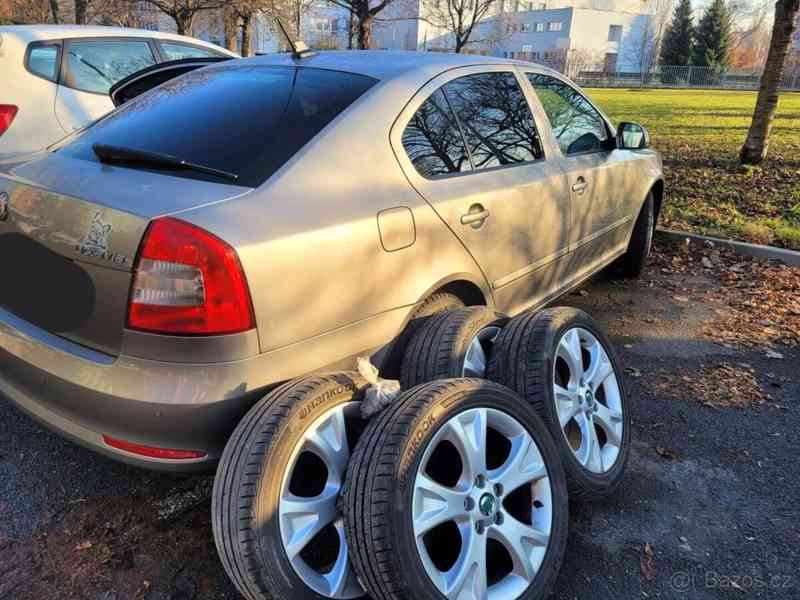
(108, 153)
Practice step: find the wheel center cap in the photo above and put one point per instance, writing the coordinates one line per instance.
(487, 505)
(589, 398)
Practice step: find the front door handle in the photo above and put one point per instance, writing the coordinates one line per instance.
(580, 186)
(475, 217)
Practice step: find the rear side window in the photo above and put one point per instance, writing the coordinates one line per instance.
(578, 127)
(179, 51)
(495, 118)
(433, 140)
(94, 66)
(244, 119)
(43, 60)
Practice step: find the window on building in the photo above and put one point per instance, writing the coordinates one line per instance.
(433, 140)
(94, 66)
(615, 33)
(554, 26)
(610, 62)
(576, 124)
(495, 118)
(539, 27)
(42, 60)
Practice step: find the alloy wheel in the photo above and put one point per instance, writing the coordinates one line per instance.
(311, 525)
(588, 400)
(482, 507)
(476, 358)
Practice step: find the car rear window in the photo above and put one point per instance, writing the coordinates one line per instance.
(244, 119)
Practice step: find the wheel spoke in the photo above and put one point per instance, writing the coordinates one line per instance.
(304, 518)
(467, 432)
(340, 579)
(611, 423)
(467, 579)
(475, 360)
(570, 350)
(435, 504)
(521, 542)
(329, 442)
(567, 405)
(523, 466)
(599, 369)
(594, 458)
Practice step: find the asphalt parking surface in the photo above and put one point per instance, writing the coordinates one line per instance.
(709, 508)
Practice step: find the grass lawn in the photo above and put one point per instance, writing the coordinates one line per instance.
(699, 133)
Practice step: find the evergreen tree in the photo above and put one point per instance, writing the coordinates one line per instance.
(679, 38)
(713, 37)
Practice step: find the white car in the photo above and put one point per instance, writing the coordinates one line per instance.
(56, 78)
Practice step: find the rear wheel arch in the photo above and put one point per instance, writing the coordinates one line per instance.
(469, 293)
(658, 197)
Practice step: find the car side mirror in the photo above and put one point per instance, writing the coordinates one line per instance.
(632, 136)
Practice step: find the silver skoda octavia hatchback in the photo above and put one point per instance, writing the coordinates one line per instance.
(256, 220)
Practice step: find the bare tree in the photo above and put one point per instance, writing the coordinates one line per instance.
(750, 35)
(183, 12)
(755, 146)
(34, 11)
(458, 19)
(364, 12)
(646, 49)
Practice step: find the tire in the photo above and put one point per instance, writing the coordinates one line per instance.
(433, 304)
(254, 477)
(632, 264)
(449, 343)
(382, 482)
(527, 359)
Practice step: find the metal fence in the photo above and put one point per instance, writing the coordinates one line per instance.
(682, 77)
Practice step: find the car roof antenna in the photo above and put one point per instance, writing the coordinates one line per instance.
(298, 47)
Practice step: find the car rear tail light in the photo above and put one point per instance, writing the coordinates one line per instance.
(152, 451)
(188, 282)
(7, 114)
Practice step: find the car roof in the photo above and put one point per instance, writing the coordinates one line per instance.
(387, 64)
(32, 33)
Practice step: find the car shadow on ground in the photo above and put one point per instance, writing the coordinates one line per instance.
(708, 507)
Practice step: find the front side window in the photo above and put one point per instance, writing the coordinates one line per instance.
(43, 60)
(433, 140)
(245, 119)
(179, 51)
(94, 66)
(496, 120)
(576, 124)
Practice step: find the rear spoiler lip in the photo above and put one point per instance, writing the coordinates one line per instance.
(164, 66)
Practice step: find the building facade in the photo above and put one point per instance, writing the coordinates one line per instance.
(607, 35)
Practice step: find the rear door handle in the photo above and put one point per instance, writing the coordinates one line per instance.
(475, 217)
(580, 186)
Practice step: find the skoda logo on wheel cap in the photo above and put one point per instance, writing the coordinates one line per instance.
(3, 206)
(486, 504)
(589, 397)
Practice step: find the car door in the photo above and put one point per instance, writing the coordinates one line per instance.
(470, 145)
(596, 172)
(89, 67)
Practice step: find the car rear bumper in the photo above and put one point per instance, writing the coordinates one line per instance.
(84, 395)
